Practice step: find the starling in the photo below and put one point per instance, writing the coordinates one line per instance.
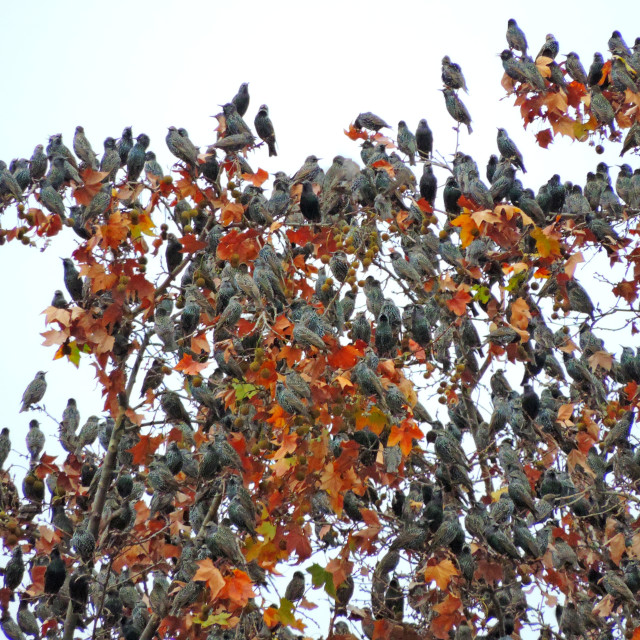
(14, 570)
(344, 592)
(181, 146)
(361, 328)
(83, 150)
(478, 191)
(153, 377)
(424, 139)
(601, 107)
(530, 402)
(241, 99)
(160, 477)
(72, 280)
(27, 620)
(452, 75)
(621, 77)
(173, 255)
(394, 600)
(241, 516)
(38, 163)
(98, 206)
(264, 129)
(110, 162)
(515, 37)
(385, 340)
(309, 204)
(514, 68)
(456, 108)
(70, 417)
(407, 142)
(289, 401)
(295, 589)
(55, 573)
(550, 48)
(165, 329)
(34, 392)
(211, 167)
(173, 407)
(575, 69)
(451, 195)
(499, 542)
(618, 46)
(223, 543)
(124, 145)
(370, 121)
(310, 171)
(428, 184)
(466, 563)
(88, 433)
(35, 440)
(135, 159)
(306, 337)
(298, 384)
(152, 168)
(508, 149)
(9, 627)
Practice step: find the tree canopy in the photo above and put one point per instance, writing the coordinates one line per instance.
(382, 378)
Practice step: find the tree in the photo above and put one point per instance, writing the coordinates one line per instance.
(268, 368)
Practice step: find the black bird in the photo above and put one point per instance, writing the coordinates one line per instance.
(241, 99)
(424, 139)
(309, 204)
(55, 574)
(264, 128)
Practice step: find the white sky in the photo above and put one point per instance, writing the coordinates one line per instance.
(317, 65)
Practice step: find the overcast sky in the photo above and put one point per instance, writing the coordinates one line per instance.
(316, 64)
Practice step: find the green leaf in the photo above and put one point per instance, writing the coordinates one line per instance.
(267, 529)
(74, 356)
(218, 618)
(285, 612)
(319, 575)
(516, 280)
(481, 294)
(244, 390)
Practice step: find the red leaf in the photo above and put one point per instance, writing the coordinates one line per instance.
(191, 244)
(145, 448)
(425, 206)
(208, 573)
(345, 357)
(300, 236)
(404, 435)
(544, 138)
(189, 366)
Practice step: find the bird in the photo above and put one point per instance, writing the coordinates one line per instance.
(14, 569)
(456, 108)
(173, 407)
(83, 150)
(508, 149)
(452, 75)
(515, 37)
(309, 203)
(289, 401)
(407, 142)
(575, 69)
(264, 129)
(424, 139)
(295, 589)
(35, 440)
(124, 145)
(34, 392)
(371, 121)
(241, 99)
(135, 158)
(72, 280)
(55, 573)
(550, 48)
(180, 145)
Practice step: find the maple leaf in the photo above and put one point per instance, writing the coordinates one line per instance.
(404, 436)
(256, 179)
(189, 366)
(231, 212)
(617, 547)
(448, 616)
(191, 244)
(458, 303)
(544, 138)
(571, 264)
(210, 574)
(240, 245)
(144, 449)
(441, 573)
(546, 245)
(345, 357)
(355, 134)
(468, 228)
(237, 588)
(627, 289)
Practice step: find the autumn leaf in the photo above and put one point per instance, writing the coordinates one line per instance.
(601, 359)
(617, 547)
(544, 138)
(189, 366)
(448, 616)
(458, 303)
(404, 436)
(345, 357)
(468, 229)
(571, 264)
(546, 245)
(231, 212)
(441, 573)
(190, 244)
(237, 588)
(210, 574)
(355, 134)
(145, 448)
(256, 179)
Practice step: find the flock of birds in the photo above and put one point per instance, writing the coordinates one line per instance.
(438, 508)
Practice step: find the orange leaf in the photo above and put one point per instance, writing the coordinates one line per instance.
(354, 133)
(345, 357)
(404, 435)
(601, 359)
(238, 589)
(636, 634)
(189, 366)
(545, 245)
(256, 179)
(571, 264)
(231, 212)
(145, 448)
(448, 605)
(520, 314)
(441, 573)
(617, 547)
(458, 304)
(468, 229)
(211, 575)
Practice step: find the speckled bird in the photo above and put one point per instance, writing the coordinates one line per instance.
(508, 149)
(407, 142)
(135, 159)
(371, 121)
(424, 139)
(83, 150)
(241, 99)
(264, 129)
(456, 108)
(515, 37)
(34, 392)
(452, 75)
